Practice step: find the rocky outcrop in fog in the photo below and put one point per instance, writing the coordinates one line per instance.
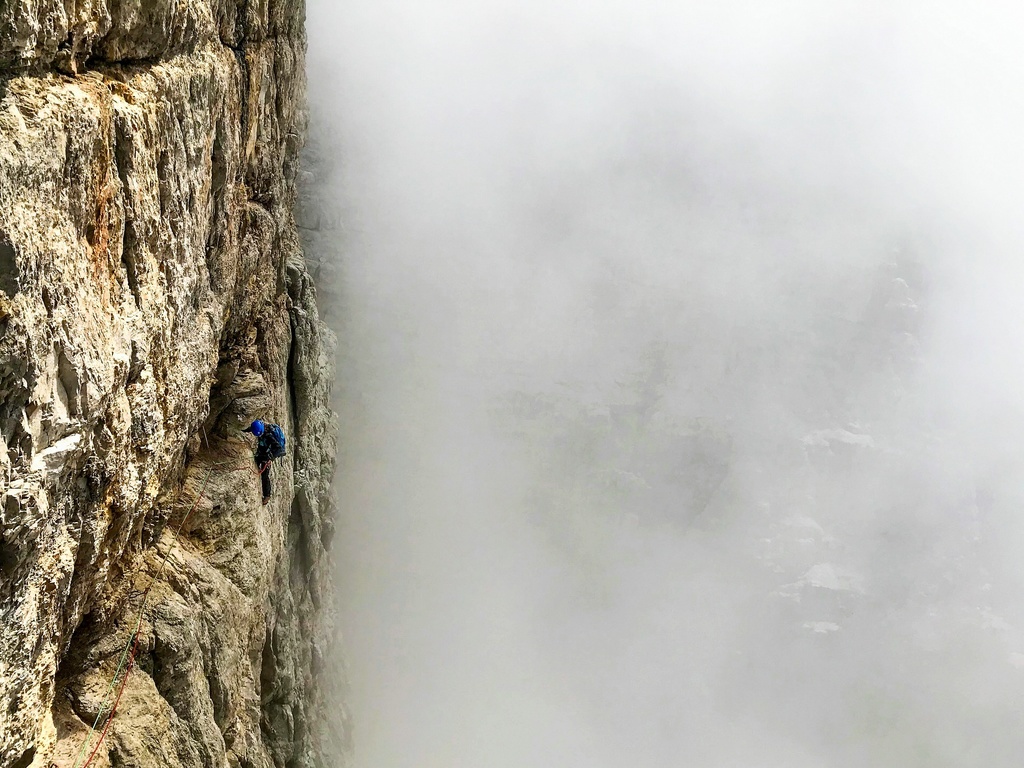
(154, 300)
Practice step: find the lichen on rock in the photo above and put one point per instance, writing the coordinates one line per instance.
(154, 299)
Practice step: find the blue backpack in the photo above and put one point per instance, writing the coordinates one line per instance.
(275, 441)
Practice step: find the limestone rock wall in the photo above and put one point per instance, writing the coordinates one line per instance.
(153, 300)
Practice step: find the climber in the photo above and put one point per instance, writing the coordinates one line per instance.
(269, 446)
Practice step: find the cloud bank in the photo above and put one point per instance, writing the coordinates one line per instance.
(680, 377)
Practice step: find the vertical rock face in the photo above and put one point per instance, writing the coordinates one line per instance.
(153, 300)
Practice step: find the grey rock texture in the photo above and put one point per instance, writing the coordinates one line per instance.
(154, 299)
(320, 214)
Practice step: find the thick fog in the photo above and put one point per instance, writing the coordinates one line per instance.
(680, 370)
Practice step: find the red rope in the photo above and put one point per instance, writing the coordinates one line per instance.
(145, 595)
(113, 709)
(135, 645)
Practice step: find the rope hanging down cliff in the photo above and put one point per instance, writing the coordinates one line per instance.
(127, 660)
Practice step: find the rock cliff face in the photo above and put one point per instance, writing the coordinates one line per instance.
(153, 300)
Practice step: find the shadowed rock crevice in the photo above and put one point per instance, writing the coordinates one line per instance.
(9, 274)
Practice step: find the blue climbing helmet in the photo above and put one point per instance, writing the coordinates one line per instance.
(256, 428)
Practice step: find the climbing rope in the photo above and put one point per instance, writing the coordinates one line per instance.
(131, 648)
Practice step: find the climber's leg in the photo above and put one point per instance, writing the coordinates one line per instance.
(265, 482)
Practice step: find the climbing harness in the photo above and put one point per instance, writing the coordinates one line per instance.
(131, 648)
